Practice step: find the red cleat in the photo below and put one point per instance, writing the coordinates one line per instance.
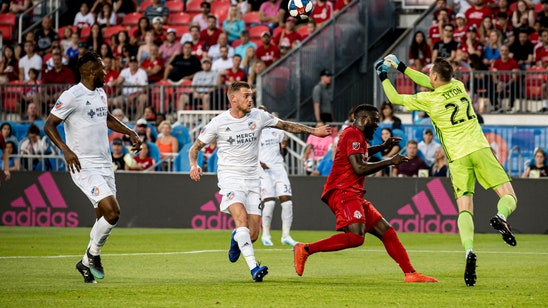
(299, 257)
(418, 277)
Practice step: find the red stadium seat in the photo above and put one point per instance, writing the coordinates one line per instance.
(11, 96)
(220, 9)
(257, 40)
(7, 26)
(277, 31)
(156, 95)
(84, 33)
(143, 6)
(404, 85)
(535, 80)
(258, 30)
(61, 31)
(109, 31)
(236, 43)
(181, 18)
(132, 19)
(193, 6)
(175, 6)
(251, 18)
(179, 30)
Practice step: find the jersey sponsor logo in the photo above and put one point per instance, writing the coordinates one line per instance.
(95, 191)
(42, 205)
(252, 125)
(58, 104)
(425, 216)
(355, 145)
(211, 218)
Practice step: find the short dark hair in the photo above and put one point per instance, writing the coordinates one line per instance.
(89, 56)
(237, 85)
(33, 129)
(364, 108)
(443, 68)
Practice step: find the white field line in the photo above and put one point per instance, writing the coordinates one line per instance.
(139, 254)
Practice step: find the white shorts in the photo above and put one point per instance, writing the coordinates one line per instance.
(241, 191)
(275, 183)
(96, 183)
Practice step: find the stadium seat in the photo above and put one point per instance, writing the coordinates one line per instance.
(61, 30)
(143, 6)
(251, 18)
(84, 34)
(181, 162)
(180, 30)
(154, 152)
(279, 78)
(193, 6)
(175, 6)
(11, 96)
(181, 133)
(236, 43)
(277, 31)
(535, 81)
(404, 84)
(181, 18)
(7, 26)
(538, 8)
(212, 162)
(161, 92)
(256, 31)
(220, 9)
(131, 19)
(110, 31)
(21, 130)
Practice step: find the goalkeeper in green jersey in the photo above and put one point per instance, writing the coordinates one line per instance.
(469, 154)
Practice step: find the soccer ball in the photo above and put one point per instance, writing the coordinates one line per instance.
(300, 8)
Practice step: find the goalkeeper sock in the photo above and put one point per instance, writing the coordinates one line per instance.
(506, 205)
(466, 229)
(336, 242)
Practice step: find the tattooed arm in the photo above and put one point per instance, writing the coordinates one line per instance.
(195, 170)
(298, 128)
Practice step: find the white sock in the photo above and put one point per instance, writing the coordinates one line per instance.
(268, 211)
(85, 260)
(101, 232)
(246, 246)
(287, 217)
(545, 103)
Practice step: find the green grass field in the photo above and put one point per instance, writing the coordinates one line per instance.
(178, 267)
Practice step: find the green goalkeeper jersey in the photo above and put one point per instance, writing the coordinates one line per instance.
(450, 110)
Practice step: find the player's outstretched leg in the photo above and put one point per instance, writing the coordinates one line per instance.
(418, 277)
(84, 270)
(300, 254)
(258, 273)
(470, 269)
(498, 223)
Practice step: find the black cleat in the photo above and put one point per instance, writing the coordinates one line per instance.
(84, 270)
(501, 226)
(95, 266)
(470, 270)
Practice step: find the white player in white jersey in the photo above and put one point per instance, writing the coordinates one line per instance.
(274, 183)
(84, 110)
(237, 131)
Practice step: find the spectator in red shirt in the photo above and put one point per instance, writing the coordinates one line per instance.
(59, 74)
(470, 44)
(211, 33)
(267, 53)
(323, 11)
(541, 51)
(287, 38)
(199, 47)
(460, 27)
(111, 75)
(435, 31)
(233, 74)
(143, 159)
(476, 13)
(160, 34)
(154, 65)
(505, 82)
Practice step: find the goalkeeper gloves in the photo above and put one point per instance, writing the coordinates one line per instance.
(381, 69)
(392, 60)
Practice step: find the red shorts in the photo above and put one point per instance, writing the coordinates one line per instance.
(350, 208)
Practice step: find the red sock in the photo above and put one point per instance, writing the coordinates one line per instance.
(336, 242)
(396, 250)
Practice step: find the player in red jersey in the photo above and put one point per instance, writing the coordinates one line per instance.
(343, 192)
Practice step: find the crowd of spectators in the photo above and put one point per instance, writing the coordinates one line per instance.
(152, 47)
(477, 35)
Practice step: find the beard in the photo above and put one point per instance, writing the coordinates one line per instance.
(368, 133)
(98, 83)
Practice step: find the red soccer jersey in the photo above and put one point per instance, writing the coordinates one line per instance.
(286, 39)
(434, 34)
(509, 65)
(232, 76)
(267, 55)
(148, 63)
(199, 49)
(322, 12)
(342, 176)
(474, 16)
(541, 54)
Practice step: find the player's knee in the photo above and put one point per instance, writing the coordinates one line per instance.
(354, 240)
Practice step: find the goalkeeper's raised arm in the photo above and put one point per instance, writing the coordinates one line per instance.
(417, 77)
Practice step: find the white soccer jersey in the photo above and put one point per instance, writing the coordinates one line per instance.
(85, 115)
(140, 78)
(238, 142)
(269, 152)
